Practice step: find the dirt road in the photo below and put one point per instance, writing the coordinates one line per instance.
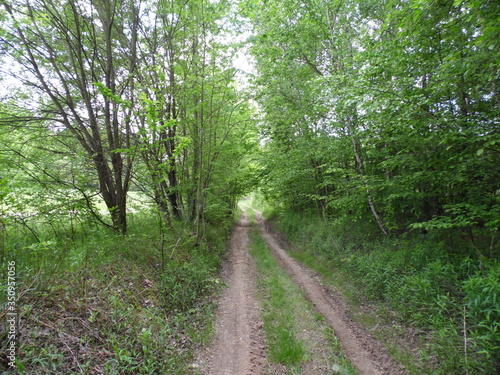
(239, 348)
(364, 352)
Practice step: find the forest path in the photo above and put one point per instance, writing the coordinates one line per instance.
(239, 347)
(366, 353)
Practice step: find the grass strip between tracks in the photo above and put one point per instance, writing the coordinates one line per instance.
(296, 334)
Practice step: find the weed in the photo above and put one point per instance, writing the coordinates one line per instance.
(96, 302)
(483, 315)
(183, 284)
(419, 279)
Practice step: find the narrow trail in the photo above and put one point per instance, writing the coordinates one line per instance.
(239, 347)
(363, 351)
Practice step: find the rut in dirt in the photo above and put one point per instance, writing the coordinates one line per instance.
(367, 355)
(239, 346)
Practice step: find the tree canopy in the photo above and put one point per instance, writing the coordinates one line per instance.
(380, 111)
(385, 111)
(146, 89)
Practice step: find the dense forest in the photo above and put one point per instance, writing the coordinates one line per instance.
(128, 133)
(381, 120)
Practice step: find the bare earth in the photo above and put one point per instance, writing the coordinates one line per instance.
(239, 348)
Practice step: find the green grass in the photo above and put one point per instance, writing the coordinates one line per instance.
(412, 283)
(297, 335)
(95, 301)
(280, 299)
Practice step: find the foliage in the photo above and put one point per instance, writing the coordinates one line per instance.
(194, 129)
(91, 300)
(184, 284)
(381, 116)
(483, 311)
(435, 292)
(382, 111)
(76, 69)
(130, 98)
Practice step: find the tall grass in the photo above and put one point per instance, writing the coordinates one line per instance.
(93, 301)
(442, 293)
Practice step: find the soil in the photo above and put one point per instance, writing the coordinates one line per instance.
(366, 353)
(239, 347)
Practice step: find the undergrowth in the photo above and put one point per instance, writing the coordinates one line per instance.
(449, 298)
(90, 301)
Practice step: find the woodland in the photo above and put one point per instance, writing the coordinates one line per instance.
(368, 131)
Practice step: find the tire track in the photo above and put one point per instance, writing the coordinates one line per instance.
(239, 346)
(364, 352)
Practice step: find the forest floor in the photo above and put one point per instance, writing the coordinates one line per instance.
(240, 345)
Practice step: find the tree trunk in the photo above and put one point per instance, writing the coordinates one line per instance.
(119, 214)
(115, 199)
(361, 169)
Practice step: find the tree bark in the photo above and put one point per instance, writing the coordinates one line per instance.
(361, 169)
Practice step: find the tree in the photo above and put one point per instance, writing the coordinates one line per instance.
(80, 61)
(189, 111)
(402, 100)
